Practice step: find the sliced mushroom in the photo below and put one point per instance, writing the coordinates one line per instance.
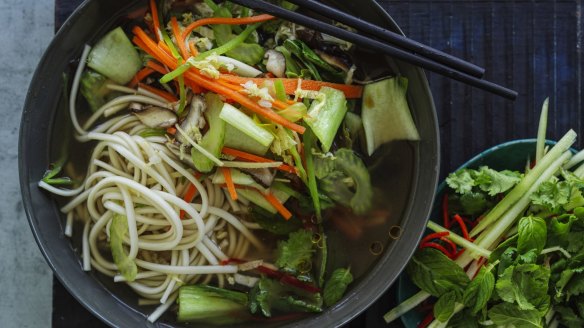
(276, 62)
(155, 117)
(263, 176)
(336, 61)
(194, 122)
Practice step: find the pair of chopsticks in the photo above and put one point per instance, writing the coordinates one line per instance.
(382, 40)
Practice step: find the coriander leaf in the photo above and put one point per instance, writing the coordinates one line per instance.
(479, 290)
(552, 195)
(461, 181)
(295, 254)
(463, 319)
(336, 285)
(474, 203)
(532, 233)
(528, 258)
(526, 285)
(509, 315)
(558, 229)
(435, 273)
(568, 318)
(444, 307)
(269, 294)
(576, 199)
(494, 182)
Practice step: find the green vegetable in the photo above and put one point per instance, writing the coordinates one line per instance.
(115, 57)
(258, 199)
(54, 170)
(325, 116)
(309, 146)
(118, 230)
(552, 195)
(485, 179)
(274, 223)
(93, 86)
(268, 295)
(236, 139)
(532, 234)
(386, 114)
(336, 285)
(294, 255)
(526, 285)
(435, 273)
(345, 179)
(444, 307)
(569, 318)
(313, 61)
(280, 90)
(463, 319)
(249, 53)
(246, 125)
(212, 141)
(153, 132)
(479, 291)
(207, 304)
(509, 315)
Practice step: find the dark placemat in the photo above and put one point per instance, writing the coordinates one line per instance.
(532, 47)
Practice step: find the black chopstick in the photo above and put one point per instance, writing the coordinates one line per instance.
(387, 49)
(391, 37)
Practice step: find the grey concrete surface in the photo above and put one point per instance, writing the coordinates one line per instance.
(25, 278)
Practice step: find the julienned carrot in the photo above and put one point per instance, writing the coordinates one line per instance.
(141, 75)
(178, 36)
(279, 206)
(229, 182)
(290, 85)
(171, 130)
(167, 96)
(194, 76)
(157, 67)
(193, 48)
(224, 20)
(189, 196)
(155, 21)
(255, 158)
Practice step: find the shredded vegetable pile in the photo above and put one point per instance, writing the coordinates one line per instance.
(510, 250)
(219, 139)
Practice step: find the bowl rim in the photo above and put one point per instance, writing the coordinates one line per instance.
(339, 314)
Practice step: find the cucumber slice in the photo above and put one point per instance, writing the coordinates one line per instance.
(245, 124)
(115, 57)
(386, 114)
(236, 139)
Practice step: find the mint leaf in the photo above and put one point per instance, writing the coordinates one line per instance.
(558, 230)
(444, 307)
(463, 319)
(435, 273)
(270, 294)
(568, 317)
(336, 285)
(295, 254)
(479, 291)
(461, 181)
(526, 285)
(575, 286)
(509, 315)
(494, 182)
(510, 243)
(532, 233)
(575, 242)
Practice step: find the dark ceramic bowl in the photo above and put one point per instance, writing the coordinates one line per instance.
(413, 179)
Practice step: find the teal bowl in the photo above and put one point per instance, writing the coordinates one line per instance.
(512, 155)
